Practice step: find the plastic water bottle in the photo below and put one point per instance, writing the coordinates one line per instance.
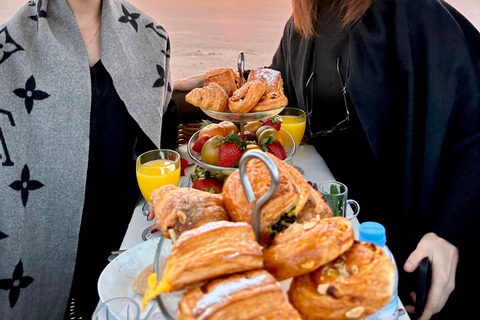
(375, 232)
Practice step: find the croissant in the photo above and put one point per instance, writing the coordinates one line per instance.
(355, 285)
(212, 97)
(272, 79)
(180, 209)
(303, 247)
(225, 77)
(270, 101)
(283, 209)
(211, 250)
(253, 295)
(245, 98)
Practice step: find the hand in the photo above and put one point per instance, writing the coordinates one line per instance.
(443, 257)
(189, 83)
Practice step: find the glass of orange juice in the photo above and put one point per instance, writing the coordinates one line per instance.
(155, 169)
(294, 121)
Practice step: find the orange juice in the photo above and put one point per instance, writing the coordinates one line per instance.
(155, 174)
(295, 126)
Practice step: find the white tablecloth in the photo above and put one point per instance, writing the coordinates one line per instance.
(305, 157)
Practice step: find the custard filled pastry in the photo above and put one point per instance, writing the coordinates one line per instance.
(303, 247)
(225, 77)
(245, 98)
(283, 209)
(212, 97)
(209, 251)
(270, 101)
(272, 79)
(180, 209)
(253, 295)
(355, 285)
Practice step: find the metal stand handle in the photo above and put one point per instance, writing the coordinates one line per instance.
(241, 66)
(274, 184)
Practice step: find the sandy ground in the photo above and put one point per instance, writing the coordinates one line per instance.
(208, 34)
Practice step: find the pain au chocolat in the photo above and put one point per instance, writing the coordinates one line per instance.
(214, 249)
(180, 209)
(253, 295)
(353, 286)
(294, 203)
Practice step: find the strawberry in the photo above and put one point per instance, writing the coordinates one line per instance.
(230, 150)
(274, 147)
(211, 185)
(183, 165)
(198, 145)
(275, 122)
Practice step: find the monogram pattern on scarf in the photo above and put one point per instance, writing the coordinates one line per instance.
(7, 45)
(129, 17)
(15, 284)
(26, 184)
(29, 93)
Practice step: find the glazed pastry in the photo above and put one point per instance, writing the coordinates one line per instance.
(212, 97)
(253, 295)
(270, 101)
(283, 209)
(209, 251)
(303, 247)
(225, 77)
(272, 79)
(245, 98)
(140, 283)
(180, 209)
(355, 285)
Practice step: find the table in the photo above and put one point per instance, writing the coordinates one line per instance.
(306, 156)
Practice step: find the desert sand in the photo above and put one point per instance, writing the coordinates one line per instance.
(208, 34)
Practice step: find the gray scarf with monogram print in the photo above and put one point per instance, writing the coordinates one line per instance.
(45, 101)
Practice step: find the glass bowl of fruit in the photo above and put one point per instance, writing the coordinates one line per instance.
(220, 154)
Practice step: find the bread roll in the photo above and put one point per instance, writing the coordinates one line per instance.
(355, 285)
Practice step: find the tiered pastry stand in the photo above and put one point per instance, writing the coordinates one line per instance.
(168, 302)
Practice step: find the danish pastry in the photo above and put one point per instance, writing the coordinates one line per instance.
(270, 101)
(248, 296)
(355, 285)
(303, 247)
(283, 209)
(180, 209)
(209, 251)
(272, 79)
(212, 97)
(245, 98)
(225, 77)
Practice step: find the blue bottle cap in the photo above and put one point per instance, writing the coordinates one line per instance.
(372, 232)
